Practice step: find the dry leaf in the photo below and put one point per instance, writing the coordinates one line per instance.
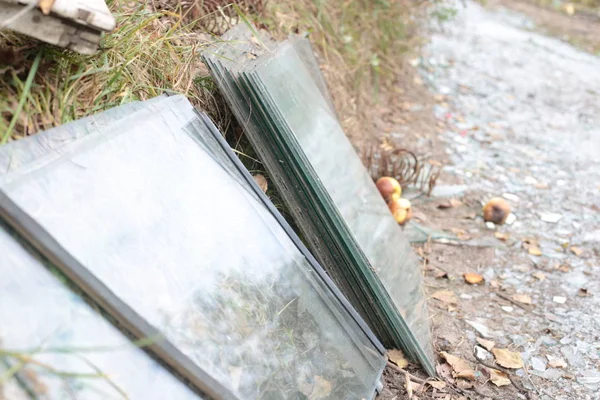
(445, 371)
(522, 298)
(583, 292)
(439, 385)
(261, 181)
(508, 359)
(46, 6)
(466, 374)
(534, 251)
(397, 357)
(556, 362)
(458, 364)
(498, 378)
(473, 278)
(576, 250)
(318, 389)
(487, 344)
(502, 235)
(564, 267)
(439, 274)
(539, 275)
(445, 296)
(452, 203)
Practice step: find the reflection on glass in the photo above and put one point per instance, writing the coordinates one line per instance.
(68, 350)
(174, 235)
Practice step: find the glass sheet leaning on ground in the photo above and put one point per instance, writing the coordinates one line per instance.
(277, 94)
(154, 205)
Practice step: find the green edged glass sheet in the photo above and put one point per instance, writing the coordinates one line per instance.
(296, 133)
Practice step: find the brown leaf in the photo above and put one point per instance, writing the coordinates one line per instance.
(539, 275)
(445, 371)
(439, 385)
(522, 298)
(46, 6)
(508, 359)
(445, 296)
(556, 362)
(466, 374)
(473, 278)
(502, 235)
(261, 181)
(583, 292)
(576, 250)
(452, 203)
(564, 267)
(397, 357)
(439, 274)
(498, 378)
(458, 364)
(488, 344)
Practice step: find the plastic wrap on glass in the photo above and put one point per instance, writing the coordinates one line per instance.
(169, 228)
(76, 353)
(292, 126)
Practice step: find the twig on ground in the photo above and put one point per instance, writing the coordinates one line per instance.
(403, 371)
(516, 303)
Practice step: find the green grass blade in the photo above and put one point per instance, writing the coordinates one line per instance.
(23, 99)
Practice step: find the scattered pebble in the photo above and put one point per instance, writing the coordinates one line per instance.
(559, 299)
(550, 217)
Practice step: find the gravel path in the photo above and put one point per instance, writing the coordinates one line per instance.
(522, 118)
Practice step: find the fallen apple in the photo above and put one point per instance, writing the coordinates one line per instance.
(496, 210)
(401, 210)
(389, 188)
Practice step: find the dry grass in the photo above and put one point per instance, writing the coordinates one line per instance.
(156, 45)
(361, 44)
(149, 53)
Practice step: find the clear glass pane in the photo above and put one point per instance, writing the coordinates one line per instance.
(43, 319)
(290, 97)
(175, 235)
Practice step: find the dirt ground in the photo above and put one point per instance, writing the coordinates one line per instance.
(514, 114)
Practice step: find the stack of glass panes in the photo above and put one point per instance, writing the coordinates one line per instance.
(278, 94)
(142, 222)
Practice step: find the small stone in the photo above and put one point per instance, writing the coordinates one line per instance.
(466, 296)
(507, 309)
(510, 219)
(511, 197)
(550, 217)
(589, 378)
(559, 299)
(538, 364)
(482, 354)
(490, 225)
(552, 374)
(482, 329)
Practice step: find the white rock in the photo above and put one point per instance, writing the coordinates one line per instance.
(550, 217)
(538, 364)
(510, 219)
(490, 225)
(511, 197)
(507, 309)
(482, 329)
(559, 299)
